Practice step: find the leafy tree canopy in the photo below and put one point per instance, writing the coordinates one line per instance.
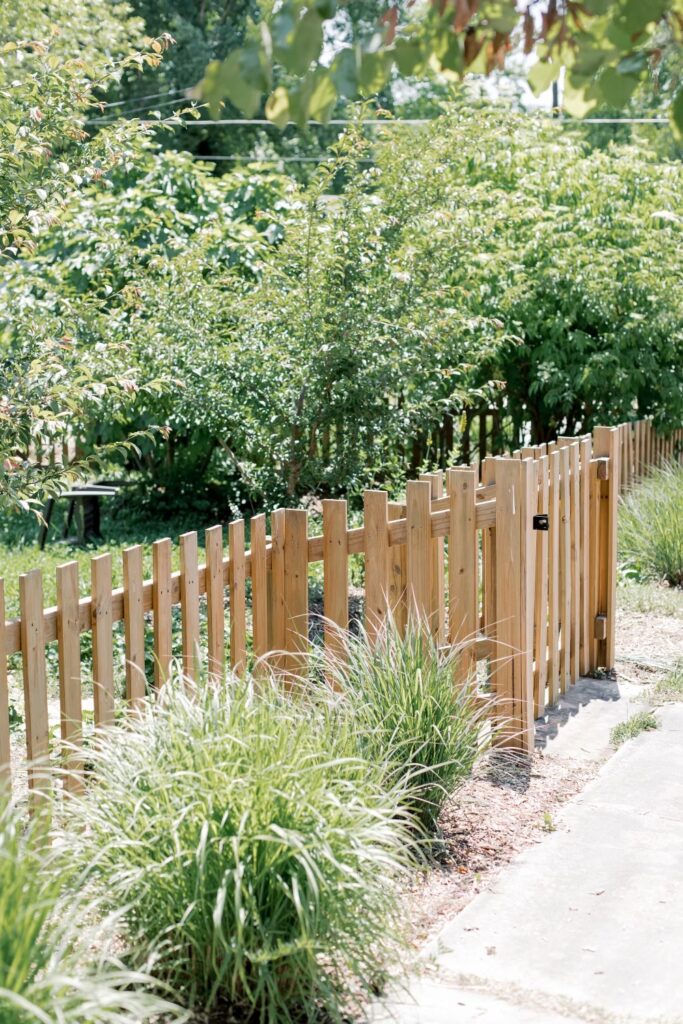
(50, 386)
(607, 48)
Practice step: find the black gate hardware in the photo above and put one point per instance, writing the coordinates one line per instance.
(541, 522)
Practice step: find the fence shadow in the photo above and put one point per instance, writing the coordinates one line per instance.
(508, 769)
(578, 696)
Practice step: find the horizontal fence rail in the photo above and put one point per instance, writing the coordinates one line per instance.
(512, 559)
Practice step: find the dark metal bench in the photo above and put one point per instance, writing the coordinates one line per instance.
(84, 503)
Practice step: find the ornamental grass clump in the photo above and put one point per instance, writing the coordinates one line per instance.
(50, 973)
(257, 857)
(651, 526)
(412, 713)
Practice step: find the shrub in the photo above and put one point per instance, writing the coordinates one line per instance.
(42, 942)
(411, 715)
(257, 861)
(651, 526)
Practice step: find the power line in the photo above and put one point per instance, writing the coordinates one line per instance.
(147, 96)
(383, 123)
(616, 120)
(135, 110)
(264, 122)
(418, 121)
(211, 158)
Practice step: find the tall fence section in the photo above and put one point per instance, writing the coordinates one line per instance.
(512, 559)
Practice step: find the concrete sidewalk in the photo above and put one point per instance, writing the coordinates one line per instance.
(586, 926)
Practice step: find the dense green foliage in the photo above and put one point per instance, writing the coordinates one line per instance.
(320, 343)
(53, 379)
(651, 527)
(411, 715)
(257, 857)
(47, 941)
(575, 252)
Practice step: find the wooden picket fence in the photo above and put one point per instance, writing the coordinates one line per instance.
(464, 553)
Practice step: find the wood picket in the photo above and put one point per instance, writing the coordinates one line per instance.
(545, 617)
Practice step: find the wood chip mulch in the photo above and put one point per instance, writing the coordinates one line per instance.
(506, 806)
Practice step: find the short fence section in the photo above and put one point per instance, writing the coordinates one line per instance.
(513, 560)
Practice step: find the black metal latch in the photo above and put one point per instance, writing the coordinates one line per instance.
(541, 522)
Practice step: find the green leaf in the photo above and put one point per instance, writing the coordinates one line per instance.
(637, 15)
(450, 55)
(277, 107)
(226, 79)
(323, 96)
(326, 8)
(501, 15)
(306, 44)
(589, 59)
(576, 102)
(282, 28)
(677, 114)
(409, 56)
(543, 74)
(345, 72)
(633, 63)
(614, 88)
(375, 69)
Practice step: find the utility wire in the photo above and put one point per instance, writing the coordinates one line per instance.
(147, 96)
(211, 158)
(389, 122)
(135, 110)
(615, 120)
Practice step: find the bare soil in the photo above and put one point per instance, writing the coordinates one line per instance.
(509, 804)
(647, 645)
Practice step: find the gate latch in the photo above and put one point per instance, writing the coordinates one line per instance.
(541, 522)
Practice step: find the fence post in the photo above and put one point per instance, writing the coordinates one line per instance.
(418, 549)
(586, 639)
(102, 641)
(565, 570)
(541, 589)
(161, 604)
(237, 581)
(189, 603)
(606, 445)
(636, 448)
(463, 617)
(515, 505)
(296, 590)
(69, 653)
(215, 601)
(5, 770)
(397, 573)
(488, 552)
(336, 575)
(134, 625)
(277, 587)
(259, 587)
(438, 604)
(572, 513)
(376, 536)
(35, 681)
(554, 576)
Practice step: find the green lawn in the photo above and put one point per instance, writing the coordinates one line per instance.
(122, 526)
